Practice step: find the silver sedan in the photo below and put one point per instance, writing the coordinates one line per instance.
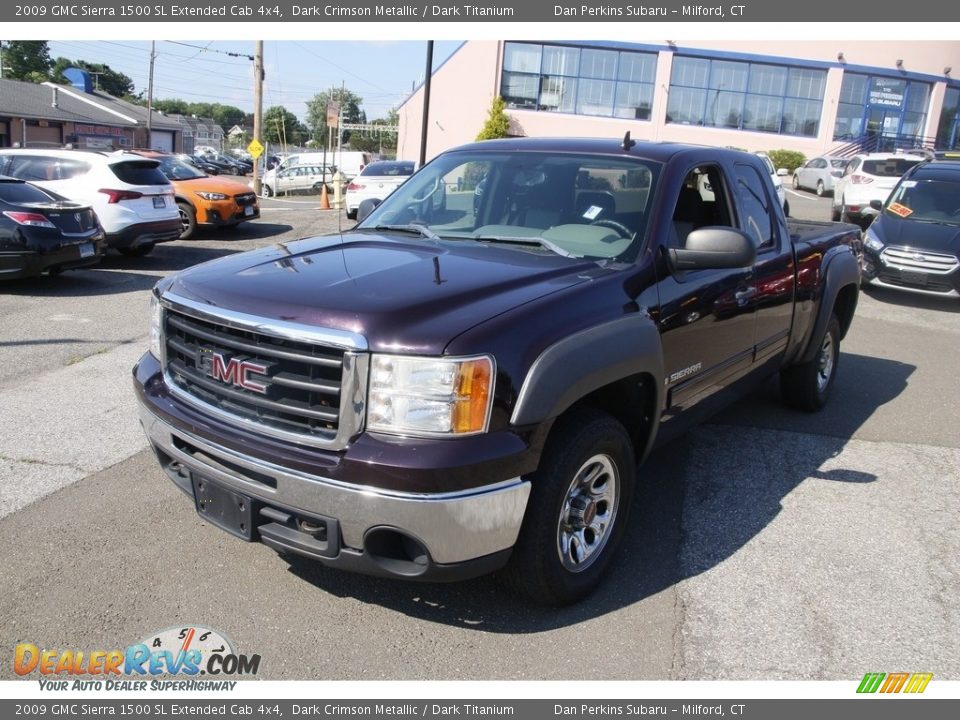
(819, 174)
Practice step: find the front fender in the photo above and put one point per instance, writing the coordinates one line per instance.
(572, 368)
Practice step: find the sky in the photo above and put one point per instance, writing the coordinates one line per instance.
(381, 72)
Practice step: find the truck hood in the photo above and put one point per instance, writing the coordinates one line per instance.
(403, 294)
(935, 237)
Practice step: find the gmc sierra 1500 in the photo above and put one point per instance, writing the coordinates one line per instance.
(453, 387)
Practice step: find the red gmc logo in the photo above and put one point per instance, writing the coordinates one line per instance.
(237, 372)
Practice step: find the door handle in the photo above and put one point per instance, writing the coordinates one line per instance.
(743, 296)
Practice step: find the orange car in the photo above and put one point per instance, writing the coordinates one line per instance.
(203, 199)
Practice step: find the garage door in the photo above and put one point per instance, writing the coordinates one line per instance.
(161, 140)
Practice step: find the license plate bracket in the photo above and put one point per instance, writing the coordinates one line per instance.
(224, 508)
(158, 201)
(248, 210)
(914, 278)
(87, 250)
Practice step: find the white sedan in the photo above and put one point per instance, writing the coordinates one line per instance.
(376, 182)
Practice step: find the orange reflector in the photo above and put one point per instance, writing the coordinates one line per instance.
(473, 396)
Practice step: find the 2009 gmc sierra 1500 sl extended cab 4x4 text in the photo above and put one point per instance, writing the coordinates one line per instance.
(453, 387)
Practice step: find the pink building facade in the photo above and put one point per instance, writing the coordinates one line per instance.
(812, 97)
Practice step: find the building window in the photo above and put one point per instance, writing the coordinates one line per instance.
(582, 81)
(746, 96)
(948, 131)
(880, 106)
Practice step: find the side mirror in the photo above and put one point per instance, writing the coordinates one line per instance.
(876, 204)
(366, 207)
(714, 248)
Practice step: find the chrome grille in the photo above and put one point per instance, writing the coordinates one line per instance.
(305, 386)
(906, 258)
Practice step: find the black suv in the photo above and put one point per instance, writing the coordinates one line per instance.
(914, 243)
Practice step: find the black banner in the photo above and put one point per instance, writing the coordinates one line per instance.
(280, 11)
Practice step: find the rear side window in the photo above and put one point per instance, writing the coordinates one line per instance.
(388, 169)
(894, 167)
(42, 168)
(754, 206)
(139, 172)
(15, 192)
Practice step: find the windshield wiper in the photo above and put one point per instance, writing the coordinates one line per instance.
(538, 241)
(420, 230)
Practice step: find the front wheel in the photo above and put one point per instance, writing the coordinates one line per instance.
(807, 386)
(820, 188)
(796, 182)
(188, 219)
(578, 509)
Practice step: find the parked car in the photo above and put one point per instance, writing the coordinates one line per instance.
(130, 195)
(296, 179)
(199, 163)
(914, 243)
(349, 162)
(819, 174)
(376, 181)
(777, 182)
(228, 165)
(205, 200)
(434, 395)
(868, 178)
(41, 231)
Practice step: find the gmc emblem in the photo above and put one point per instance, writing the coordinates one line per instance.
(237, 372)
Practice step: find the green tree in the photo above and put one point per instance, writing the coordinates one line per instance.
(497, 124)
(26, 60)
(382, 142)
(281, 126)
(317, 112)
(106, 79)
(172, 106)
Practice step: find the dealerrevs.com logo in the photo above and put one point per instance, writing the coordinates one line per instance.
(178, 652)
(891, 683)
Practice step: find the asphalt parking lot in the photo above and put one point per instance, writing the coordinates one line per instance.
(765, 544)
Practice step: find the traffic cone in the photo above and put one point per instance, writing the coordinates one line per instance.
(324, 198)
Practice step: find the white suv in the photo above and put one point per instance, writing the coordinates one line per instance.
(132, 198)
(868, 177)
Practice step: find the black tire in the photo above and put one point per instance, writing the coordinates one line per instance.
(266, 191)
(351, 214)
(821, 191)
(796, 182)
(188, 219)
(836, 213)
(807, 387)
(138, 251)
(554, 561)
(786, 208)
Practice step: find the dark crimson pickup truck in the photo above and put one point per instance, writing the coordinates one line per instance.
(468, 379)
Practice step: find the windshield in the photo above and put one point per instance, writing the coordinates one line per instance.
(176, 170)
(584, 206)
(927, 201)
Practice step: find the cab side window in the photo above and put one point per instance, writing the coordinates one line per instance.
(702, 202)
(754, 204)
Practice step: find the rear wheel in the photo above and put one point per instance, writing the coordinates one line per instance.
(577, 511)
(836, 212)
(807, 386)
(796, 182)
(138, 251)
(266, 191)
(188, 219)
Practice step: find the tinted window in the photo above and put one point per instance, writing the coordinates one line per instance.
(894, 167)
(39, 167)
(15, 192)
(754, 205)
(176, 170)
(388, 168)
(139, 172)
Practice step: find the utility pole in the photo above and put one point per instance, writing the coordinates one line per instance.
(257, 109)
(153, 56)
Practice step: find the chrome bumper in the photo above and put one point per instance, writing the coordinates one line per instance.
(454, 527)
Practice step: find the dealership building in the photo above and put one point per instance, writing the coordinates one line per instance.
(814, 97)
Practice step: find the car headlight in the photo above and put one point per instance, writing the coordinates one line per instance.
(156, 325)
(871, 241)
(430, 396)
(212, 195)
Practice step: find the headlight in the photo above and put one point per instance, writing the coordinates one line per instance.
(212, 196)
(156, 324)
(871, 241)
(430, 396)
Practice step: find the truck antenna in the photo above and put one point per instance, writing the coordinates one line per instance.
(627, 142)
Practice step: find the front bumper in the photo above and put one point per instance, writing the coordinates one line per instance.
(412, 535)
(878, 271)
(226, 213)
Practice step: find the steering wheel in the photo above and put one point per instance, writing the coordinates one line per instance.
(429, 192)
(614, 225)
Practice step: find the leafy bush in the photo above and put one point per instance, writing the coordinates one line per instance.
(497, 124)
(789, 159)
